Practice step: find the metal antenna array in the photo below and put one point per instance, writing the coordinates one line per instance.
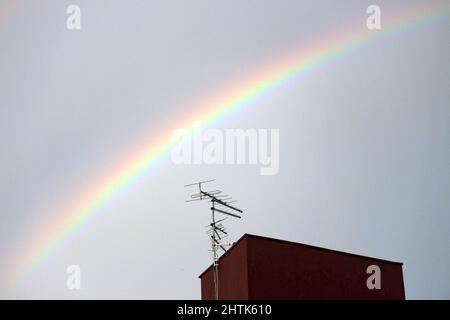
(220, 203)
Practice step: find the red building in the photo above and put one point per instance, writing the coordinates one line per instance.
(257, 267)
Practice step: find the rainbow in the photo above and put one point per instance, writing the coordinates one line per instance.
(269, 78)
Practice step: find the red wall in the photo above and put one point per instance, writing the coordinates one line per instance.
(233, 276)
(263, 268)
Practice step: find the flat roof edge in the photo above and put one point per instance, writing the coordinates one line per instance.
(248, 235)
(321, 248)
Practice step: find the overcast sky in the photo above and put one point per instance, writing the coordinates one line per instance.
(364, 140)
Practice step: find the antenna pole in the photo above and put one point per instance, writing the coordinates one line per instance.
(216, 257)
(216, 230)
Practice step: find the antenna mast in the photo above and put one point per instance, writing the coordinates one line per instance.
(220, 203)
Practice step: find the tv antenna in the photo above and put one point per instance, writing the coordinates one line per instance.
(220, 203)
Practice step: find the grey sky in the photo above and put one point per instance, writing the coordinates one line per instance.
(364, 141)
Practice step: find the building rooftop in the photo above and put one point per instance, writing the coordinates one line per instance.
(247, 236)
